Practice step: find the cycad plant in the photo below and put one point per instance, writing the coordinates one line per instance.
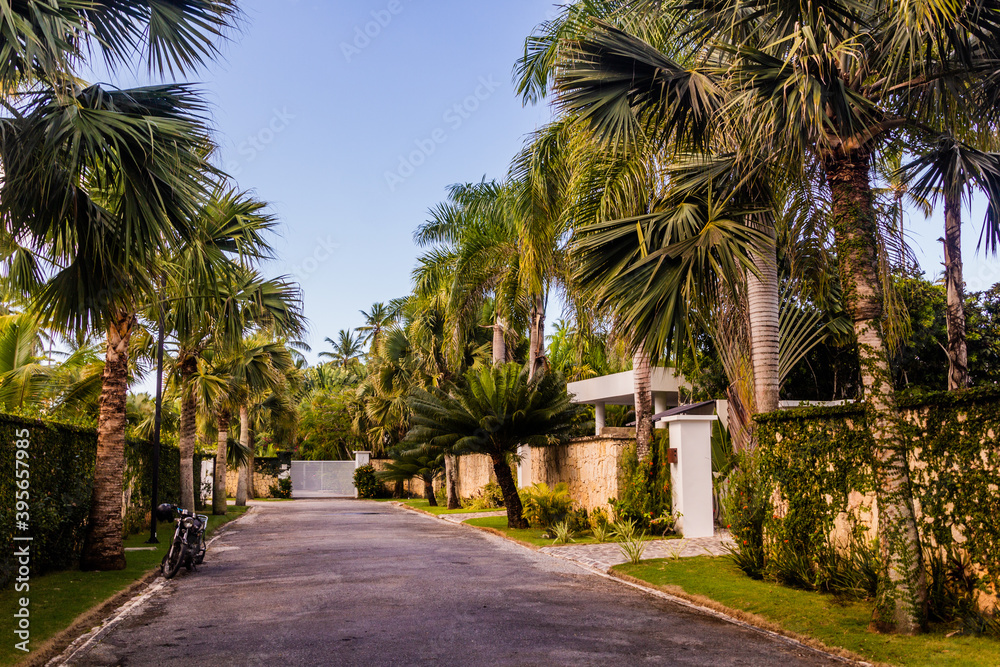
(493, 411)
(426, 464)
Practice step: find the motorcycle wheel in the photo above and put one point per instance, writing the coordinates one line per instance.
(172, 561)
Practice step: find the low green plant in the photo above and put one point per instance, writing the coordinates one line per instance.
(562, 532)
(282, 488)
(545, 506)
(665, 524)
(602, 532)
(633, 546)
(367, 484)
(625, 529)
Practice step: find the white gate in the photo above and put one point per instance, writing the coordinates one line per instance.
(323, 478)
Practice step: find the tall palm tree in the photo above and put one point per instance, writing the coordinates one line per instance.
(827, 87)
(213, 297)
(377, 319)
(347, 349)
(949, 170)
(99, 180)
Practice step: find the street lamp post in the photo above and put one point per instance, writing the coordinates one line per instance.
(156, 435)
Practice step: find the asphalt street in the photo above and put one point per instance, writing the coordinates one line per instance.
(345, 582)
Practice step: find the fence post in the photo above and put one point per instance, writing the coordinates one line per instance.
(691, 474)
(361, 458)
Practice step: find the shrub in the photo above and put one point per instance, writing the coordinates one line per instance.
(61, 463)
(544, 506)
(747, 503)
(282, 489)
(598, 518)
(489, 497)
(367, 484)
(644, 488)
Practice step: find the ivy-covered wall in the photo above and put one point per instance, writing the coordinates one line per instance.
(60, 464)
(820, 460)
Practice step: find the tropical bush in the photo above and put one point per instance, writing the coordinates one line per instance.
(545, 506)
(282, 488)
(367, 483)
(644, 489)
(489, 497)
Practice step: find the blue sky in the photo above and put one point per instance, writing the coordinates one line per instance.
(351, 118)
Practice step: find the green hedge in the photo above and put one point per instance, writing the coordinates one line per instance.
(817, 456)
(61, 465)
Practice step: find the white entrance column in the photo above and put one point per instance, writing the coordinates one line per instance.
(361, 458)
(691, 475)
(599, 416)
(659, 405)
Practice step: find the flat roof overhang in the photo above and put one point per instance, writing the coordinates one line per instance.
(619, 388)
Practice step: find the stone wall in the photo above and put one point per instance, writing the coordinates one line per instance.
(821, 464)
(588, 466)
(474, 472)
(267, 471)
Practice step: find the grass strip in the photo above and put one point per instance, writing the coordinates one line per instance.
(58, 599)
(422, 504)
(834, 621)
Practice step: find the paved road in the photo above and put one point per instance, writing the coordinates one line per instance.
(333, 582)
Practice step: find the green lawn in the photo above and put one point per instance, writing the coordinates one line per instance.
(421, 503)
(833, 621)
(59, 597)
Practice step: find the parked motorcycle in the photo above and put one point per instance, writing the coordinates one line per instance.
(187, 547)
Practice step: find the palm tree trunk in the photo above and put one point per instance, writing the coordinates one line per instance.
(511, 500)
(499, 342)
(429, 491)
(102, 546)
(642, 381)
(251, 462)
(958, 358)
(219, 483)
(536, 338)
(242, 478)
(901, 600)
(186, 432)
(451, 482)
(763, 306)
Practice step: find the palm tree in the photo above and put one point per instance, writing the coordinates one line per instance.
(347, 349)
(99, 180)
(826, 88)
(213, 297)
(253, 368)
(376, 320)
(949, 170)
(495, 409)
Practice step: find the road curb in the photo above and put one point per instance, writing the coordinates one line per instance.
(134, 596)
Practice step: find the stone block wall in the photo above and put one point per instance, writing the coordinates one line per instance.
(474, 472)
(267, 471)
(588, 466)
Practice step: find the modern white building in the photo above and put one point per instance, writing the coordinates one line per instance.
(619, 389)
